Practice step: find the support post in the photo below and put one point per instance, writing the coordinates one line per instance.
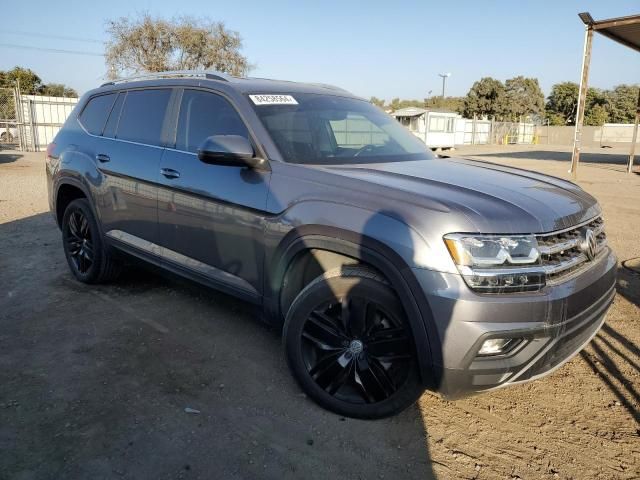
(19, 117)
(582, 97)
(635, 136)
(473, 130)
(426, 125)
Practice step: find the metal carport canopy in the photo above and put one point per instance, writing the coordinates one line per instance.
(624, 30)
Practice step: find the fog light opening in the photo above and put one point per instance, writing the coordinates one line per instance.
(497, 346)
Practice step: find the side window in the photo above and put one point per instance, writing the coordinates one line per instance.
(451, 124)
(143, 115)
(436, 124)
(112, 123)
(203, 114)
(95, 114)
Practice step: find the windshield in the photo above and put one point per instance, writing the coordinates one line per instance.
(326, 129)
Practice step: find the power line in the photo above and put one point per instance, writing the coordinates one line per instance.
(53, 50)
(46, 35)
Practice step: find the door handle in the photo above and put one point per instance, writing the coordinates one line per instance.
(170, 173)
(101, 157)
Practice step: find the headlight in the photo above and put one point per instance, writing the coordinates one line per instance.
(497, 263)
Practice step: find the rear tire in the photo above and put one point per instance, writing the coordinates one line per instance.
(349, 345)
(89, 258)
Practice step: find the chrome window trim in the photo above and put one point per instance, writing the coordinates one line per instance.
(126, 91)
(120, 139)
(259, 151)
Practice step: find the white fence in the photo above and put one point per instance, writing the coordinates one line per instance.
(473, 132)
(616, 133)
(40, 118)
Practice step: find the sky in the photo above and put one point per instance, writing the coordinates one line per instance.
(371, 48)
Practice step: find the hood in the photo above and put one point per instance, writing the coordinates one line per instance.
(494, 198)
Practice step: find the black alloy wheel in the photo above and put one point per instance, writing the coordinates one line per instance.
(350, 347)
(79, 241)
(90, 260)
(355, 350)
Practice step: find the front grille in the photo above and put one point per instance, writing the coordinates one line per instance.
(563, 254)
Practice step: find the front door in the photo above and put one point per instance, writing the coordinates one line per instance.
(210, 217)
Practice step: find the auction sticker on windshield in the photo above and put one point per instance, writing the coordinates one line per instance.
(273, 100)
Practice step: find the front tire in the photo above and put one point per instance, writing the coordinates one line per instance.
(349, 345)
(88, 257)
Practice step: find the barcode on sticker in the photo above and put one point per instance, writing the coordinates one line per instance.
(273, 100)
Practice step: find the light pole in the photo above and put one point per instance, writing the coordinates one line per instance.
(444, 81)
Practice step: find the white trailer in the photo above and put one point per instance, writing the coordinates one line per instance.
(437, 129)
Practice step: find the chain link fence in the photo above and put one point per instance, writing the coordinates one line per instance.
(8, 118)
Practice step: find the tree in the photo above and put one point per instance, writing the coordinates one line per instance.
(485, 98)
(524, 97)
(562, 103)
(596, 116)
(57, 90)
(397, 104)
(622, 102)
(616, 106)
(28, 80)
(31, 84)
(377, 102)
(555, 119)
(452, 104)
(149, 44)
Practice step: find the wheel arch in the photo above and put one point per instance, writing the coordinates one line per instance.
(67, 190)
(356, 248)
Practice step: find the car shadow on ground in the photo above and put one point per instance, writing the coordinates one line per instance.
(95, 380)
(599, 356)
(9, 156)
(628, 285)
(585, 157)
(609, 342)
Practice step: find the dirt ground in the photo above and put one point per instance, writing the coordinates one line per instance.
(94, 381)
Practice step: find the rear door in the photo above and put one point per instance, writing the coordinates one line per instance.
(210, 216)
(129, 158)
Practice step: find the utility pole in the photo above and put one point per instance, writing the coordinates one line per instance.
(635, 137)
(444, 81)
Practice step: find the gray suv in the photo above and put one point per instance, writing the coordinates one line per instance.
(389, 270)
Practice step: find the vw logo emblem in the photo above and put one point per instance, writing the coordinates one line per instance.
(590, 244)
(355, 347)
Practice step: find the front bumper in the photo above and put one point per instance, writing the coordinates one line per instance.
(554, 325)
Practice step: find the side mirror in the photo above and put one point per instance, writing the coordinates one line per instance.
(230, 151)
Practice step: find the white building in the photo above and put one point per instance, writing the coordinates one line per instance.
(437, 129)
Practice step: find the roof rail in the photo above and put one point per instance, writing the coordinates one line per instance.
(211, 75)
(330, 87)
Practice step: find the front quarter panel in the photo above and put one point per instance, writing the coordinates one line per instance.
(302, 196)
(301, 210)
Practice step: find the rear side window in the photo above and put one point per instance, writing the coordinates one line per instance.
(203, 114)
(95, 114)
(143, 115)
(112, 123)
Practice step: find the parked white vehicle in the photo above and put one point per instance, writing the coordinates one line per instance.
(8, 134)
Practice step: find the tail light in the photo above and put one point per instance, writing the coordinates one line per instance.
(50, 149)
